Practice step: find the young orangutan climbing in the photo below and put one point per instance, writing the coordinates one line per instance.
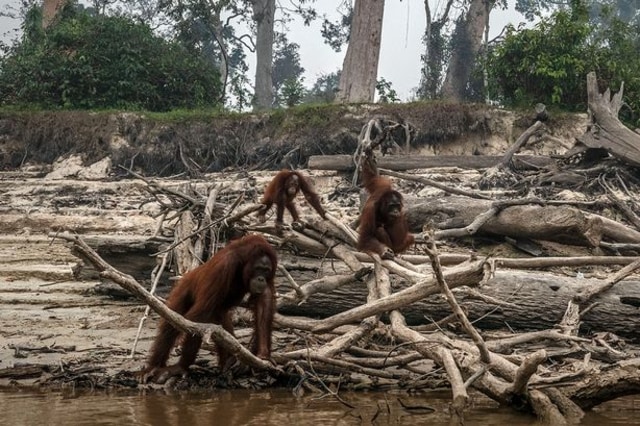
(383, 224)
(282, 191)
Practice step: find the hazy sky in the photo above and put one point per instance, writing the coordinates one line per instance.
(403, 26)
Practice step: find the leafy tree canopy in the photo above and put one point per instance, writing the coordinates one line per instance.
(336, 33)
(88, 61)
(549, 62)
(324, 89)
(287, 72)
(625, 10)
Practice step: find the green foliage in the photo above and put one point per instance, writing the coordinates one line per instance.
(545, 64)
(433, 65)
(549, 62)
(324, 89)
(197, 26)
(292, 92)
(336, 34)
(89, 62)
(217, 29)
(287, 73)
(618, 62)
(386, 93)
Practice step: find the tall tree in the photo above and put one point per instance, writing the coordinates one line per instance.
(263, 15)
(467, 42)
(435, 54)
(360, 66)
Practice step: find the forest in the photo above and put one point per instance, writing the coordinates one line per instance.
(166, 55)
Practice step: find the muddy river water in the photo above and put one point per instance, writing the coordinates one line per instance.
(269, 407)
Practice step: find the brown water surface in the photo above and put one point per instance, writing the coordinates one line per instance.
(269, 407)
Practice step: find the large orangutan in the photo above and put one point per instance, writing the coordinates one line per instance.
(282, 191)
(383, 224)
(208, 293)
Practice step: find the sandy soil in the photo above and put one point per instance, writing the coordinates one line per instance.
(48, 317)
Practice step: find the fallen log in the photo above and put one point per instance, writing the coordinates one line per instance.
(619, 379)
(129, 254)
(563, 224)
(18, 372)
(555, 223)
(502, 175)
(345, 163)
(533, 301)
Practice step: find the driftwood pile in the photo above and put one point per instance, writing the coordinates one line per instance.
(376, 323)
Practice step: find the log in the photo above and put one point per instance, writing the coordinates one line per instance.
(132, 255)
(344, 163)
(564, 224)
(536, 301)
(21, 372)
(596, 388)
(607, 132)
(129, 254)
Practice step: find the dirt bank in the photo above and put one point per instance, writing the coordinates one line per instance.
(168, 145)
(66, 326)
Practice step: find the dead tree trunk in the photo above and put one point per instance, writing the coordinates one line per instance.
(532, 301)
(606, 131)
(564, 224)
(344, 162)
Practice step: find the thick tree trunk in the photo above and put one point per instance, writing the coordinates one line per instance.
(468, 39)
(427, 38)
(218, 29)
(360, 66)
(554, 223)
(535, 301)
(410, 162)
(50, 9)
(263, 15)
